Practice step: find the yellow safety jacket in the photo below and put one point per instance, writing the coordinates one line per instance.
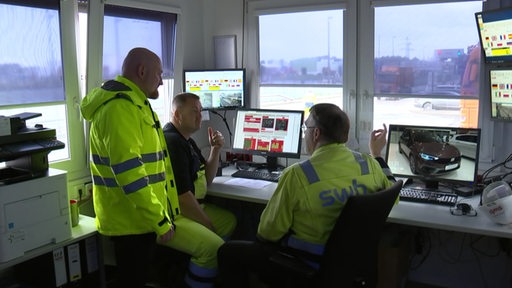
(311, 194)
(133, 191)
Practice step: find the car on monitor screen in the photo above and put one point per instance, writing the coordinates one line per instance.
(427, 152)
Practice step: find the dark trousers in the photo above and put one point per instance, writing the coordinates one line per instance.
(237, 259)
(134, 255)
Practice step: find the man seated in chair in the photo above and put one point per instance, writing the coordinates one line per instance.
(309, 197)
(203, 226)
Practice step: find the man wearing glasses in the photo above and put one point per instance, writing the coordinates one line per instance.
(309, 196)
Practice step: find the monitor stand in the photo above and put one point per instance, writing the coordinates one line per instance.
(270, 165)
(426, 184)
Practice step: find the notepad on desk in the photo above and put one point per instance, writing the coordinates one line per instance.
(249, 183)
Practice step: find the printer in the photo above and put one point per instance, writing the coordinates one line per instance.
(34, 203)
(24, 150)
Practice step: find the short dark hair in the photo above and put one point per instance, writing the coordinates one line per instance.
(182, 98)
(332, 122)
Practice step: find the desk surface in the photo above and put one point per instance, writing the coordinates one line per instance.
(406, 213)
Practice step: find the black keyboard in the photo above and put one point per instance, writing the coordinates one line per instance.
(426, 196)
(257, 175)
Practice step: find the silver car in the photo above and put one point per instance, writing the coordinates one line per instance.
(438, 103)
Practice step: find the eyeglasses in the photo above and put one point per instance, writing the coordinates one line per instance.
(304, 127)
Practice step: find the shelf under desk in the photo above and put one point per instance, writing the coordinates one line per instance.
(406, 213)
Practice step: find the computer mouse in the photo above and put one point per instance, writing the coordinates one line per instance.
(464, 207)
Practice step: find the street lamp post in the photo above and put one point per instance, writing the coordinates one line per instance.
(329, 44)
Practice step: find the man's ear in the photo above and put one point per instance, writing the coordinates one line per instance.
(316, 135)
(141, 70)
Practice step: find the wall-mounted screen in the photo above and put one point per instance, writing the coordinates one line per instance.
(500, 82)
(217, 88)
(495, 31)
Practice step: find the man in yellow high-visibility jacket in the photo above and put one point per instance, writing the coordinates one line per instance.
(309, 196)
(133, 193)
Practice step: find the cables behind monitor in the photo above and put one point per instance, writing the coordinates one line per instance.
(223, 117)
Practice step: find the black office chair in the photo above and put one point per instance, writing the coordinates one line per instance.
(351, 252)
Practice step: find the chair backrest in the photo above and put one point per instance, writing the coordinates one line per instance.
(351, 253)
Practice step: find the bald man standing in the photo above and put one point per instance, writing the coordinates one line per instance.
(133, 183)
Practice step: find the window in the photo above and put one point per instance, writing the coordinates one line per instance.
(151, 29)
(32, 64)
(301, 62)
(32, 67)
(146, 29)
(427, 61)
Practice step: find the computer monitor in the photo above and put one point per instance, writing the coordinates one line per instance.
(495, 32)
(217, 88)
(434, 155)
(500, 84)
(269, 133)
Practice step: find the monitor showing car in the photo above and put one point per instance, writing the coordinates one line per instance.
(428, 152)
(433, 154)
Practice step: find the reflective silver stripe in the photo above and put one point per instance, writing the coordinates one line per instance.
(132, 187)
(98, 160)
(364, 165)
(152, 157)
(309, 171)
(127, 165)
(100, 181)
(155, 178)
(312, 248)
(136, 185)
(202, 272)
(143, 182)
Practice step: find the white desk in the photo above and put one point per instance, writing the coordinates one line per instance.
(406, 213)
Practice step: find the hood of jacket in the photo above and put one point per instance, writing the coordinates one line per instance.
(108, 91)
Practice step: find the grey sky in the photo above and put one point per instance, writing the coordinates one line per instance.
(425, 27)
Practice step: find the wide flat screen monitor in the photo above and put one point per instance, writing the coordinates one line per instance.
(217, 88)
(495, 31)
(269, 133)
(434, 155)
(500, 83)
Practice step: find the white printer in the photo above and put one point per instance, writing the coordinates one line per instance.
(33, 213)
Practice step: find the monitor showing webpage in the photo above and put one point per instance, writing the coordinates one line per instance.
(501, 93)
(271, 133)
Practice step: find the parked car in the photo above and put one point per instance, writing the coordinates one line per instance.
(427, 153)
(438, 103)
(466, 143)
